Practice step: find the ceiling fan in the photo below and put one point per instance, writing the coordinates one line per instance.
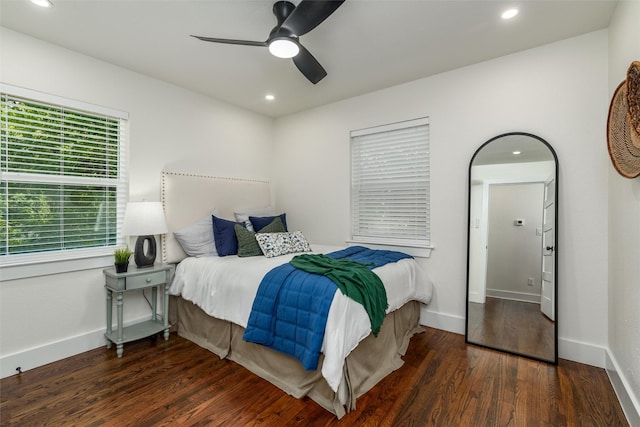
(293, 22)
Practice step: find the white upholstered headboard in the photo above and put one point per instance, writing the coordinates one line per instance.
(188, 197)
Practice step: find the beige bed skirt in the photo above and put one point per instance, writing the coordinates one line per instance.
(372, 360)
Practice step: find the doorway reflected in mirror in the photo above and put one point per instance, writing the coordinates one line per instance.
(511, 278)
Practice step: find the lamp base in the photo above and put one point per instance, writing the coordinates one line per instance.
(145, 251)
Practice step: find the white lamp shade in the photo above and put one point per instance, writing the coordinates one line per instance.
(143, 219)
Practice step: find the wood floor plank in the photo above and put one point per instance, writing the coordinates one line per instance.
(444, 382)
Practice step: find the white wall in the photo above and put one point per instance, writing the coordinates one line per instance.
(624, 230)
(515, 252)
(558, 92)
(63, 314)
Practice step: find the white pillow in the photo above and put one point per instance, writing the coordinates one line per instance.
(276, 244)
(197, 239)
(244, 215)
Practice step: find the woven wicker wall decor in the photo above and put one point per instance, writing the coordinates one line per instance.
(623, 124)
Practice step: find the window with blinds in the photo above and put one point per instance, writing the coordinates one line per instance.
(390, 184)
(63, 181)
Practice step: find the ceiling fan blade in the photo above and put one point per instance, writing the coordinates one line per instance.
(309, 14)
(309, 66)
(232, 41)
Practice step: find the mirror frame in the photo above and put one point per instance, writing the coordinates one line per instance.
(554, 360)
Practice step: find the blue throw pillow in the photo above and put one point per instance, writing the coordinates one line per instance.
(260, 222)
(224, 235)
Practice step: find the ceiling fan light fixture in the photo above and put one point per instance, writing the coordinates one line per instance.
(283, 48)
(283, 40)
(42, 3)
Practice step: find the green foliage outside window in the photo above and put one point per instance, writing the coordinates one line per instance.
(59, 171)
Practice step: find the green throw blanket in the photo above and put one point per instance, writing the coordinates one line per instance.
(354, 279)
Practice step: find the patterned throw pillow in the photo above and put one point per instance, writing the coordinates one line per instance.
(247, 243)
(276, 244)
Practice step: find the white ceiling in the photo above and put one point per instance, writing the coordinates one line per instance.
(364, 46)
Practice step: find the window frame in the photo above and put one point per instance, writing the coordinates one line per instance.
(18, 266)
(415, 246)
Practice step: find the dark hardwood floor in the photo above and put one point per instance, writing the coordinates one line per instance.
(444, 382)
(515, 326)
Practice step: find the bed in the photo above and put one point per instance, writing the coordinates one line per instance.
(212, 297)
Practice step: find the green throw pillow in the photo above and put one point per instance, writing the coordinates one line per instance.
(247, 243)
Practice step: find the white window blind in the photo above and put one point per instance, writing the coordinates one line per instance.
(390, 184)
(63, 180)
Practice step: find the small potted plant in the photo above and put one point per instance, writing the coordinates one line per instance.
(122, 259)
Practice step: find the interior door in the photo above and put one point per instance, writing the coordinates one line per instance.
(478, 244)
(547, 299)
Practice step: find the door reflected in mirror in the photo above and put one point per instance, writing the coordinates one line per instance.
(511, 278)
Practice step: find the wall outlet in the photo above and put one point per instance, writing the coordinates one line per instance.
(530, 281)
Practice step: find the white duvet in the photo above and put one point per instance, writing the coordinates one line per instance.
(224, 287)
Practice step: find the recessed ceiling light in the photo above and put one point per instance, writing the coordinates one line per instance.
(42, 3)
(510, 13)
(516, 152)
(269, 97)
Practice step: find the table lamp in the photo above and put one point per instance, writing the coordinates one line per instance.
(144, 219)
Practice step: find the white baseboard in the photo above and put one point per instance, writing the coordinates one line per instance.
(515, 296)
(51, 352)
(629, 402)
(445, 322)
(54, 351)
(581, 352)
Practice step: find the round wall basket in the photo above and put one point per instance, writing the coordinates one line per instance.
(623, 125)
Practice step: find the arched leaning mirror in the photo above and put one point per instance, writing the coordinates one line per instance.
(512, 294)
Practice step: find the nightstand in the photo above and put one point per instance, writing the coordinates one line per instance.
(152, 277)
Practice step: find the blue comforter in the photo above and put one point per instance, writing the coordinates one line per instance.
(289, 313)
